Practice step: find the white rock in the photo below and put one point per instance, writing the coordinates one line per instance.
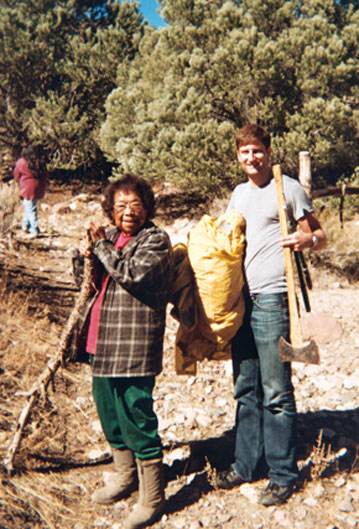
(96, 426)
(220, 402)
(318, 491)
(248, 491)
(178, 454)
(203, 420)
(347, 505)
(96, 454)
(101, 522)
(163, 424)
(340, 482)
(311, 502)
(179, 418)
(351, 382)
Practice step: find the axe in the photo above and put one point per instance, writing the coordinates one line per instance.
(296, 351)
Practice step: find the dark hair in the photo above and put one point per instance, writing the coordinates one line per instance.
(251, 132)
(35, 161)
(133, 183)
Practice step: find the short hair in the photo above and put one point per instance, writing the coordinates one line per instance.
(251, 132)
(133, 183)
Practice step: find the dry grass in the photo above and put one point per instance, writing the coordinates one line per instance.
(40, 494)
(42, 500)
(9, 204)
(321, 457)
(342, 239)
(341, 257)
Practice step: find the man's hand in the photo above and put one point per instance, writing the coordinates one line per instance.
(297, 241)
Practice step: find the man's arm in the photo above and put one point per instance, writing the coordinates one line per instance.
(309, 226)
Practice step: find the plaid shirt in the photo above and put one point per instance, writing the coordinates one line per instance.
(133, 312)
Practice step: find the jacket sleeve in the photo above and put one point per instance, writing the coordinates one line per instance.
(144, 269)
(17, 170)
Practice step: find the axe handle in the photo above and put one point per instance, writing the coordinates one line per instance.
(295, 329)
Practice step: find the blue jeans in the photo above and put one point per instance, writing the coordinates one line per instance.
(266, 411)
(29, 221)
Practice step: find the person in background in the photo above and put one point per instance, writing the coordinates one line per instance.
(122, 329)
(32, 175)
(266, 409)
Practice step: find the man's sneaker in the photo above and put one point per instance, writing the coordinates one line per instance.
(227, 479)
(276, 494)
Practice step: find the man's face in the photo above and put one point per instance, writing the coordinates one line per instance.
(254, 160)
(129, 212)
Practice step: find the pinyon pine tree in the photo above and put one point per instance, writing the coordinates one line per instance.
(290, 66)
(58, 63)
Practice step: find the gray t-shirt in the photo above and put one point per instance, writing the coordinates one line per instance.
(264, 261)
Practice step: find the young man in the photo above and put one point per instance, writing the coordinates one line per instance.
(266, 411)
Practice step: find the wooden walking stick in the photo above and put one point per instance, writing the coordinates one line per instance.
(38, 389)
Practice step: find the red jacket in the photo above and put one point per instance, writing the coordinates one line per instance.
(30, 186)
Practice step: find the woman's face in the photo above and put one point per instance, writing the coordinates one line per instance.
(129, 212)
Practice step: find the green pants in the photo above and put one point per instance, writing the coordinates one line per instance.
(125, 409)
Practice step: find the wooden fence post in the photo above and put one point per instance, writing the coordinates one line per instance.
(305, 172)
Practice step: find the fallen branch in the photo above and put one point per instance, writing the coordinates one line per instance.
(40, 386)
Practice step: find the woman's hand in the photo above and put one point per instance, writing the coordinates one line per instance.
(85, 246)
(94, 233)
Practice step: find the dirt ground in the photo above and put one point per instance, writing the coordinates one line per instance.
(63, 456)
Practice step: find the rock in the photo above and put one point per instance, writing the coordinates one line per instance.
(347, 505)
(340, 482)
(248, 491)
(197, 524)
(96, 426)
(323, 327)
(179, 454)
(311, 502)
(318, 491)
(97, 454)
(283, 519)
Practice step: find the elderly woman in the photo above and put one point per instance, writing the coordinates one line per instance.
(122, 330)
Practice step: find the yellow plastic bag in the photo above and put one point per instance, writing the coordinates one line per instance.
(209, 290)
(215, 250)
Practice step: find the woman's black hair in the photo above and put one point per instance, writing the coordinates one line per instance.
(35, 161)
(133, 183)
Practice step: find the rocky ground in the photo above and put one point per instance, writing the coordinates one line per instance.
(64, 456)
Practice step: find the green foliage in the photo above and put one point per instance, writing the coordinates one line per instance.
(58, 63)
(88, 79)
(290, 66)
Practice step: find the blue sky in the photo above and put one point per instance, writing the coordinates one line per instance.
(148, 9)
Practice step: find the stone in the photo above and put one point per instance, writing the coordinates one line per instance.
(347, 505)
(323, 327)
(311, 502)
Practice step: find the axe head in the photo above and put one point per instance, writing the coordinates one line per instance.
(308, 353)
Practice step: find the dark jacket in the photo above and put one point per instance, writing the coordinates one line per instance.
(133, 313)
